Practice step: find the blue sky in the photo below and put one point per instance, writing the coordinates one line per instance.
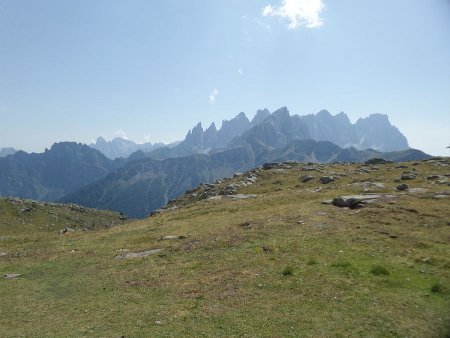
(150, 70)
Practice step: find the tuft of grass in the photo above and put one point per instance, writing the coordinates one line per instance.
(379, 270)
(437, 288)
(341, 264)
(312, 261)
(288, 271)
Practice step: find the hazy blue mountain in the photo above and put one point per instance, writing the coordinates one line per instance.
(276, 131)
(373, 132)
(120, 147)
(280, 128)
(7, 151)
(146, 184)
(142, 186)
(376, 132)
(66, 167)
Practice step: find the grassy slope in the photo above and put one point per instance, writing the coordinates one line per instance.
(219, 281)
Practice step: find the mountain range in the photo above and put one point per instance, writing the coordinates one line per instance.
(374, 132)
(7, 151)
(155, 174)
(120, 147)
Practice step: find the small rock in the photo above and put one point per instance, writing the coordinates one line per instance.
(267, 166)
(306, 178)
(408, 176)
(246, 225)
(402, 187)
(351, 203)
(65, 231)
(377, 161)
(327, 179)
(3, 254)
(11, 275)
(354, 201)
(433, 177)
(168, 237)
(158, 322)
(139, 254)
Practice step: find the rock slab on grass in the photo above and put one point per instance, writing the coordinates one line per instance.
(139, 254)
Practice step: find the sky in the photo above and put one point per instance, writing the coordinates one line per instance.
(150, 70)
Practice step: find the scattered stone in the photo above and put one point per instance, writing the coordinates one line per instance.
(401, 167)
(440, 196)
(232, 197)
(354, 201)
(417, 190)
(3, 254)
(65, 231)
(246, 225)
(306, 178)
(327, 179)
(377, 161)
(168, 237)
(402, 187)
(11, 275)
(408, 176)
(77, 208)
(138, 254)
(433, 177)
(158, 322)
(230, 189)
(267, 166)
(251, 179)
(267, 249)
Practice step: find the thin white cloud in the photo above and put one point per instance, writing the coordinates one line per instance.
(213, 96)
(299, 13)
(240, 72)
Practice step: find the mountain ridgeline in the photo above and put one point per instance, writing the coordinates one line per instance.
(147, 180)
(280, 128)
(48, 176)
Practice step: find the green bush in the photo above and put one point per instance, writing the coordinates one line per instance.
(288, 271)
(379, 270)
(437, 288)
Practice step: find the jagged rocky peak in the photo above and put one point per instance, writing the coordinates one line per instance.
(100, 140)
(377, 132)
(281, 114)
(323, 113)
(260, 116)
(234, 127)
(212, 127)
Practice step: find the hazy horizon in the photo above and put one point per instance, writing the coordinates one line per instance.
(150, 71)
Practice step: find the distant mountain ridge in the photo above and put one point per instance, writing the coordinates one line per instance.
(7, 151)
(120, 147)
(66, 167)
(372, 132)
(144, 185)
(146, 180)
